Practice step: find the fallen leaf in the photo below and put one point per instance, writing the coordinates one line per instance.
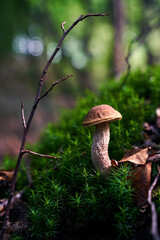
(140, 173)
(9, 174)
(136, 156)
(6, 176)
(141, 176)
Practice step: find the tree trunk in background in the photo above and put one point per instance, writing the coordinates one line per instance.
(85, 76)
(119, 22)
(85, 81)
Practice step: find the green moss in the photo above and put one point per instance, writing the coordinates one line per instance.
(69, 197)
(82, 198)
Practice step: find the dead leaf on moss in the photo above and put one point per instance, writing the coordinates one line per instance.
(136, 156)
(6, 176)
(141, 182)
(140, 173)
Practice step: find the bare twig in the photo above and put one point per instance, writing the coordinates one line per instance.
(3, 202)
(123, 148)
(38, 154)
(55, 83)
(59, 45)
(154, 225)
(153, 158)
(23, 117)
(62, 26)
(95, 15)
(128, 64)
(36, 101)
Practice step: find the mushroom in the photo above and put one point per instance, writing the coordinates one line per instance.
(100, 116)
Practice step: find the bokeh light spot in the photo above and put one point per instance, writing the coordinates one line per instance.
(79, 60)
(35, 47)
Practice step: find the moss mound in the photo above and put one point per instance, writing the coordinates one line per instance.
(69, 199)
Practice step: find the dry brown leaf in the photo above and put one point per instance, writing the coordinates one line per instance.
(6, 176)
(136, 156)
(140, 174)
(141, 182)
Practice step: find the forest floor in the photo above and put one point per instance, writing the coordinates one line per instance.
(18, 223)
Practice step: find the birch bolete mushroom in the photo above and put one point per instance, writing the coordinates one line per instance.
(101, 116)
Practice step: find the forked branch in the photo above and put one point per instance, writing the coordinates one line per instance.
(38, 97)
(50, 89)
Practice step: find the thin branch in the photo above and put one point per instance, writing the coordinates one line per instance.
(36, 101)
(55, 83)
(62, 26)
(3, 202)
(123, 148)
(51, 59)
(60, 43)
(38, 154)
(139, 40)
(128, 65)
(154, 225)
(95, 15)
(153, 158)
(23, 117)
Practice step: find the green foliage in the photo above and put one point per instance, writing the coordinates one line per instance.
(121, 194)
(69, 197)
(9, 163)
(68, 193)
(46, 204)
(157, 200)
(78, 197)
(14, 18)
(147, 84)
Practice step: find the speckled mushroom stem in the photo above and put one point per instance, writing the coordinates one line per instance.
(99, 151)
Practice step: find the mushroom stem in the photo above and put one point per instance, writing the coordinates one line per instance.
(99, 151)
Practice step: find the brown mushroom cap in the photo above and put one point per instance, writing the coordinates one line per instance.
(100, 114)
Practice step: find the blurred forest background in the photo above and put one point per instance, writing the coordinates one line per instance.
(94, 51)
